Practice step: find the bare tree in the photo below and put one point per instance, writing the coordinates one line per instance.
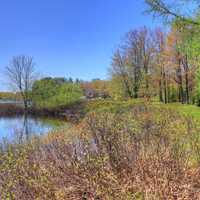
(133, 61)
(140, 53)
(120, 68)
(21, 75)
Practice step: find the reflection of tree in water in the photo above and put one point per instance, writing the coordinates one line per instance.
(23, 133)
(19, 129)
(25, 129)
(29, 128)
(16, 129)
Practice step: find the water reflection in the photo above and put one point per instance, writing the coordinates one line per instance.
(22, 128)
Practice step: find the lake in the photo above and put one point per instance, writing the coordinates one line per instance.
(20, 128)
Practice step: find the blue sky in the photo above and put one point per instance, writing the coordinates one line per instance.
(71, 38)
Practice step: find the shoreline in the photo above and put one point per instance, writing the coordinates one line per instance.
(71, 113)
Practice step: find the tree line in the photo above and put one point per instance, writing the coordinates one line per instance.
(154, 63)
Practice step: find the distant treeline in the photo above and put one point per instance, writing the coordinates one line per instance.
(10, 96)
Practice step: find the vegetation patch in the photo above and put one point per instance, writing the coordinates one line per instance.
(145, 152)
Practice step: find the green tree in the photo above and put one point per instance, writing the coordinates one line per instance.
(51, 93)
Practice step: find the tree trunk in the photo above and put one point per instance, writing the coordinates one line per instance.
(25, 106)
(127, 87)
(187, 87)
(180, 82)
(161, 86)
(186, 68)
(146, 77)
(160, 91)
(165, 88)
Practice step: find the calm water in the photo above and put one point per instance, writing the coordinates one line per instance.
(10, 102)
(18, 129)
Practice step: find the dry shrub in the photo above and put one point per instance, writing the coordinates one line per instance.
(146, 153)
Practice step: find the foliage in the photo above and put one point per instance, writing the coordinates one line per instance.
(51, 93)
(116, 88)
(110, 106)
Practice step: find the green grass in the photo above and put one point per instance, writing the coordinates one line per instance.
(110, 105)
(116, 106)
(190, 110)
(187, 110)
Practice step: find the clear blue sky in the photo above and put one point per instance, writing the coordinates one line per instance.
(71, 38)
